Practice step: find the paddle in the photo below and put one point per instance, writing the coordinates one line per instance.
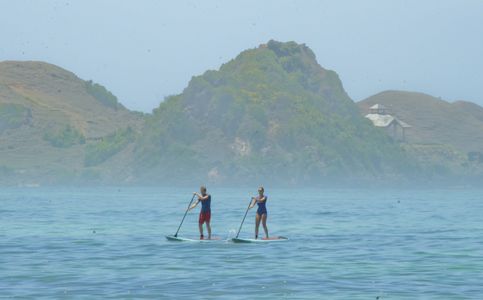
(176, 234)
(239, 229)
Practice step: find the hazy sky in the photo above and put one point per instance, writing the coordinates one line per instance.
(145, 50)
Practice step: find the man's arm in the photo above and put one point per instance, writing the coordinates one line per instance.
(201, 197)
(194, 204)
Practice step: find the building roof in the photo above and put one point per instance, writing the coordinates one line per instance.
(380, 120)
(377, 106)
(403, 124)
(385, 120)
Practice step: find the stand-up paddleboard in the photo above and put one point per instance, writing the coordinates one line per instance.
(269, 240)
(183, 239)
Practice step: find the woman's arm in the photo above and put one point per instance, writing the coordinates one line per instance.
(254, 201)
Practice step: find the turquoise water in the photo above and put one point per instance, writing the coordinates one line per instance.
(344, 244)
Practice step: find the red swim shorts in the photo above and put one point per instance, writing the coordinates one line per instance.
(204, 217)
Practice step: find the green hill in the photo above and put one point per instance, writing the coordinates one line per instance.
(52, 123)
(272, 114)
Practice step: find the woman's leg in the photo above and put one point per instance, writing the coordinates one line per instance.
(257, 224)
(264, 223)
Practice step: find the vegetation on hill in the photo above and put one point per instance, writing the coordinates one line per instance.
(48, 119)
(13, 115)
(272, 113)
(99, 152)
(102, 94)
(65, 137)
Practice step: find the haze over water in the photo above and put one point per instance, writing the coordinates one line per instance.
(344, 244)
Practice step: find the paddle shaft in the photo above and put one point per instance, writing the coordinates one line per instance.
(186, 212)
(239, 229)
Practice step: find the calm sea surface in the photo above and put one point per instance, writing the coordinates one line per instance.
(108, 243)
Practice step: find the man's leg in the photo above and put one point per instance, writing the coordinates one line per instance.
(200, 225)
(208, 228)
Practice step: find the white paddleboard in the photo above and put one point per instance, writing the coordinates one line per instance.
(269, 240)
(183, 239)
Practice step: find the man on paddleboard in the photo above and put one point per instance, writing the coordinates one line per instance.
(205, 212)
(261, 201)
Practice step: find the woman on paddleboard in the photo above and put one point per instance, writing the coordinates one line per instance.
(261, 201)
(205, 212)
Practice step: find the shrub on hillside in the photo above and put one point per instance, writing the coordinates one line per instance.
(64, 138)
(12, 115)
(99, 152)
(102, 94)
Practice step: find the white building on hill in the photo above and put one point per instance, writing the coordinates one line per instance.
(394, 127)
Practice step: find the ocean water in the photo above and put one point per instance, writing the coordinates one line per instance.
(108, 243)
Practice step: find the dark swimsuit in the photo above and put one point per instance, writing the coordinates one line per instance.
(262, 208)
